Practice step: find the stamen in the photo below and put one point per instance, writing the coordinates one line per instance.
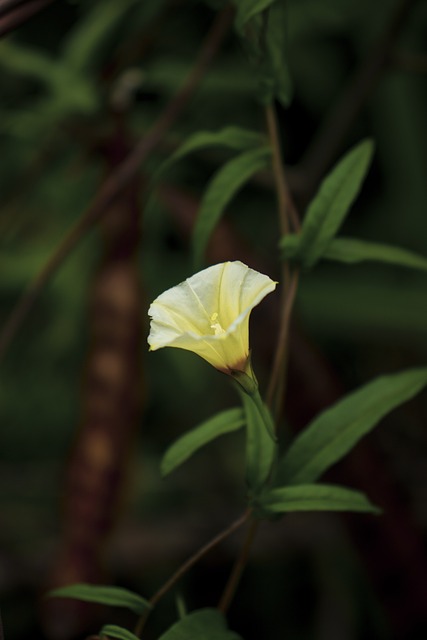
(216, 325)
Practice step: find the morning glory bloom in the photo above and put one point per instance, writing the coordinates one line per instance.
(209, 315)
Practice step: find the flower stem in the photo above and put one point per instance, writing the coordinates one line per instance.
(287, 215)
(234, 579)
(277, 384)
(287, 209)
(191, 561)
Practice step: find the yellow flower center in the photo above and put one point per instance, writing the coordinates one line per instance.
(216, 325)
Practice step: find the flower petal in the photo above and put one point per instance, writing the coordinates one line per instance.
(209, 313)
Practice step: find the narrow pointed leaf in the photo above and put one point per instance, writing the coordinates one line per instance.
(88, 36)
(231, 137)
(314, 497)
(113, 631)
(27, 61)
(281, 82)
(334, 432)
(204, 624)
(222, 188)
(351, 250)
(247, 9)
(330, 206)
(188, 444)
(261, 447)
(111, 596)
(290, 247)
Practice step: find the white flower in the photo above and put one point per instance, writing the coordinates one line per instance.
(209, 314)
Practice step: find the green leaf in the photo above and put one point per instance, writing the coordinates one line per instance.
(247, 9)
(333, 201)
(113, 631)
(111, 596)
(181, 606)
(231, 137)
(334, 432)
(261, 448)
(184, 447)
(351, 250)
(223, 186)
(265, 40)
(290, 246)
(281, 82)
(27, 61)
(91, 31)
(314, 497)
(204, 624)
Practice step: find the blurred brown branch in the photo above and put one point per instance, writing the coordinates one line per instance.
(328, 141)
(112, 188)
(14, 13)
(410, 62)
(111, 404)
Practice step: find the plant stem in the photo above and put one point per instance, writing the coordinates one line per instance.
(287, 214)
(277, 384)
(192, 560)
(234, 579)
(287, 210)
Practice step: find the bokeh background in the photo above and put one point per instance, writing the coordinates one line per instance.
(86, 412)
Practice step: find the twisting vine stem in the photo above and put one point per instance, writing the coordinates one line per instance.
(238, 568)
(288, 218)
(190, 562)
(288, 214)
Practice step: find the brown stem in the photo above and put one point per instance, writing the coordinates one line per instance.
(14, 13)
(7, 6)
(408, 61)
(182, 570)
(287, 210)
(277, 384)
(328, 141)
(239, 566)
(118, 181)
(287, 213)
(99, 459)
